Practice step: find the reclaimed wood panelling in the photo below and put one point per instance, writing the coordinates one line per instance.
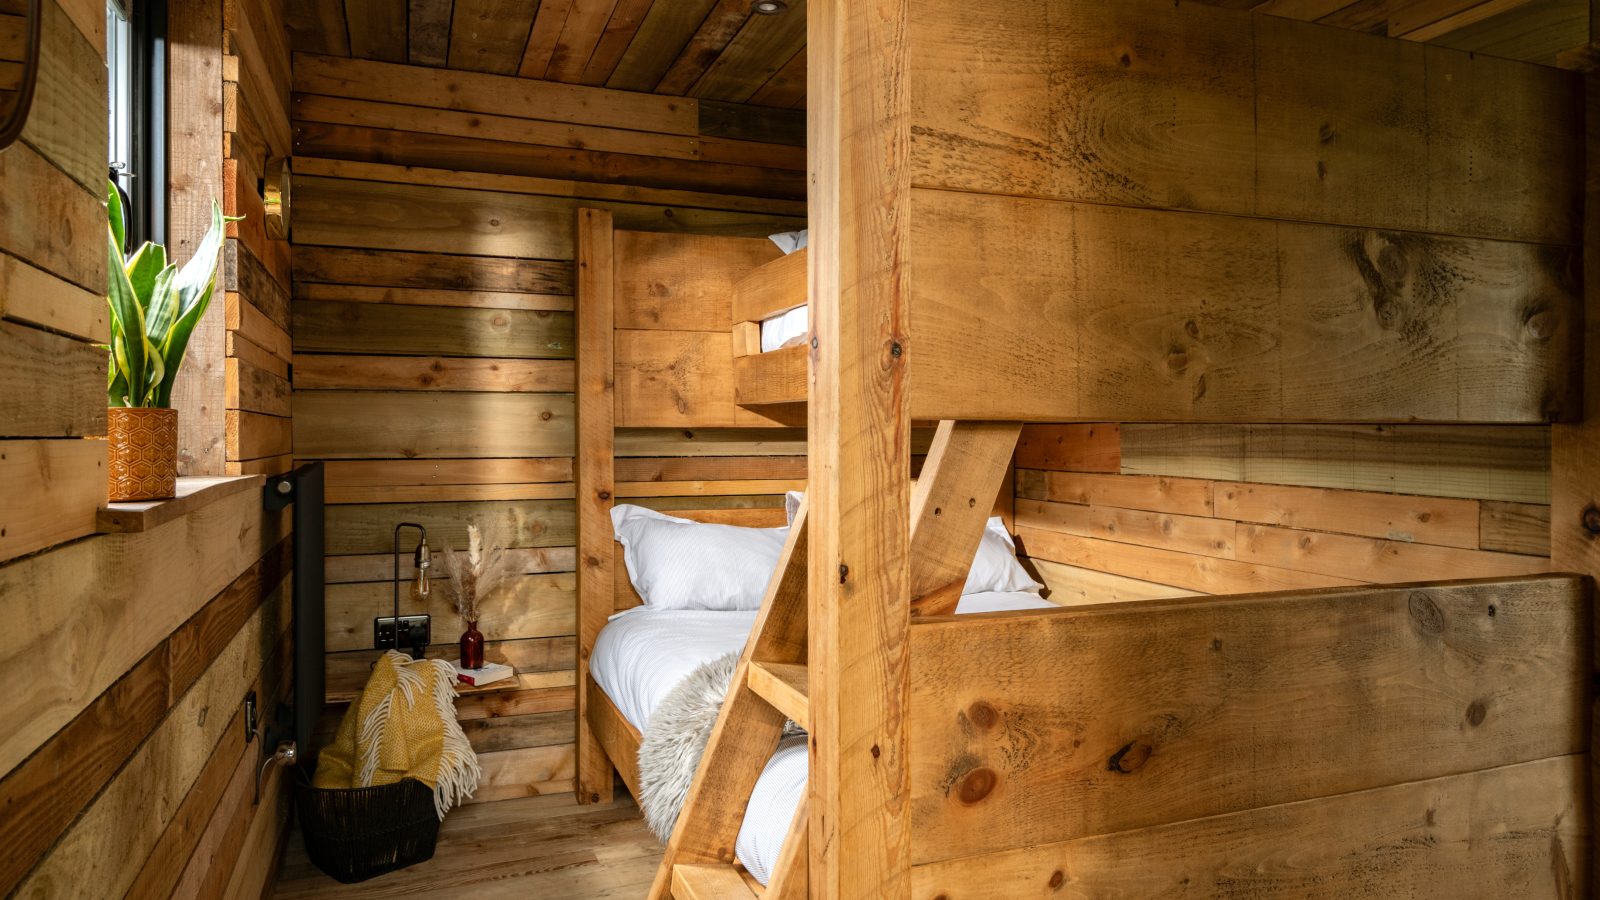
(1189, 89)
(408, 424)
(1173, 315)
(1173, 690)
(1486, 834)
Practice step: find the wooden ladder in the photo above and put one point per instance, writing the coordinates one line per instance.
(961, 477)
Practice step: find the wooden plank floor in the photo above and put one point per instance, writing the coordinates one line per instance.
(544, 847)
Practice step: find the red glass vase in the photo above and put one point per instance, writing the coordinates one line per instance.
(472, 647)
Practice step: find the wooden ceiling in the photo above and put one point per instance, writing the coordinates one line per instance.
(721, 50)
(710, 49)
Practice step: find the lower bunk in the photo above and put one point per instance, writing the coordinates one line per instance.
(1408, 740)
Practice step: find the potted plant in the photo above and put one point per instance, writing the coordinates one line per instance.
(154, 309)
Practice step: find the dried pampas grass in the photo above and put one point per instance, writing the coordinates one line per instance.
(475, 572)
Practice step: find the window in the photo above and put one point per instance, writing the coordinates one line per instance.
(136, 151)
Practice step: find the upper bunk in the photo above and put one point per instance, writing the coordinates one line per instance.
(1159, 212)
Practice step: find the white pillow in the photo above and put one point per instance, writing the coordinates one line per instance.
(679, 564)
(994, 566)
(790, 241)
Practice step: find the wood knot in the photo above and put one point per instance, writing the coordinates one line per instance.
(1427, 614)
(604, 495)
(1476, 713)
(978, 784)
(876, 751)
(1591, 519)
(1130, 758)
(1126, 60)
(983, 715)
(1057, 879)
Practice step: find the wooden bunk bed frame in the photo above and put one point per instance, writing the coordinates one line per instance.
(1429, 738)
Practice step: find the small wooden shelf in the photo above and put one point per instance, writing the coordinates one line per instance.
(193, 493)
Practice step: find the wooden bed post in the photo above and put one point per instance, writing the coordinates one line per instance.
(1575, 448)
(860, 430)
(593, 474)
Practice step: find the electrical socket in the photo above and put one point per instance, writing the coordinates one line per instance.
(383, 631)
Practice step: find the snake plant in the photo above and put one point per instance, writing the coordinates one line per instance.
(154, 309)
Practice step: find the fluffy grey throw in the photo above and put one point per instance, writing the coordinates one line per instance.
(676, 738)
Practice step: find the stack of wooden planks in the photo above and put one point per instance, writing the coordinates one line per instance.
(1133, 512)
(256, 271)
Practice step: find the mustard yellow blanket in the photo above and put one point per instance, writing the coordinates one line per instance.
(403, 726)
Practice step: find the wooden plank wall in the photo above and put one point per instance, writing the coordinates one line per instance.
(255, 274)
(52, 294)
(1131, 512)
(1184, 213)
(433, 349)
(125, 770)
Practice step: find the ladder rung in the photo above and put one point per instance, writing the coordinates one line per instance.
(784, 686)
(709, 882)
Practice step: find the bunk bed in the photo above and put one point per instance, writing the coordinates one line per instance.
(1135, 212)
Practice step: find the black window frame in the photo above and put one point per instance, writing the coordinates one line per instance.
(147, 71)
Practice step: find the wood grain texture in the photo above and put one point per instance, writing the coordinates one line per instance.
(526, 606)
(859, 149)
(677, 379)
(473, 92)
(1490, 463)
(1508, 831)
(194, 141)
(425, 218)
(430, 271)
(1243, 320)
(55, 487)
(776, 287)
(329, 327)
(439, 373)
(36, 297)
(108, 844)
(1074, 448)
(489, 35)
(369, 528)
(1204, 574)
(56, 385)
(103, 589)
(477, 178)
(512, 159)
(950, 507)
(446, 424)
(1192, 107)
(682, 282)
(1434, 678)
(595, 486)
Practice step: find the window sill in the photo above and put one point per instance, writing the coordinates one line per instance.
(193, 493)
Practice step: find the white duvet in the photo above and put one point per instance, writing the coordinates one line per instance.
(643, 653)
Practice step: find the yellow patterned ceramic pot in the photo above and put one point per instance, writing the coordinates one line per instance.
(144, 453)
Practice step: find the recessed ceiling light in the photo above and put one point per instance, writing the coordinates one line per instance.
(768, 7)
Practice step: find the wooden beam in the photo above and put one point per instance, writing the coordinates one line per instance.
(595, 487)
(1575, 448)
(194, 94)
(859, 415)
(950, 507)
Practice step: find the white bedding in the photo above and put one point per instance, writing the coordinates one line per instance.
(776, 331)
(643, 653)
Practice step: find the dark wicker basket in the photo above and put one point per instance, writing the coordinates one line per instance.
(357, 834)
